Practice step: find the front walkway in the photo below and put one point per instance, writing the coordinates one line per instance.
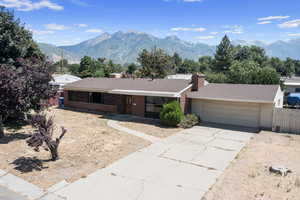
(6, 194)
(182, 166)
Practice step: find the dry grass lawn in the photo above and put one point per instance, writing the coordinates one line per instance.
(248, 177)
(88, 145)
(150, 127)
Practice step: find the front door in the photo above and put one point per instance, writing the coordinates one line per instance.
(128, 104)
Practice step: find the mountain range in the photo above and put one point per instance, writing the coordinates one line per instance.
(124, 47)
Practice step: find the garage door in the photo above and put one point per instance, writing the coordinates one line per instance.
(232, 113)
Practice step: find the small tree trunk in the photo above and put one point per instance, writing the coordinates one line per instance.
(54, 153)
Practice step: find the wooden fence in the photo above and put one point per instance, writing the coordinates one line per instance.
(286, 120)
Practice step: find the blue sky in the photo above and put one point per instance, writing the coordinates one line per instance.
(65, 22)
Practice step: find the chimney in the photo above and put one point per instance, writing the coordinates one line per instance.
(198, 81)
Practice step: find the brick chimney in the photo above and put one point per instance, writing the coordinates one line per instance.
(198, 81)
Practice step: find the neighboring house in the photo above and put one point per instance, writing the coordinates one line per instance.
(237, 104)
(243, 105)
(61, 80)
(292, 85)
(180, 76)
(183, 76)
(142, 97)
(115, 75)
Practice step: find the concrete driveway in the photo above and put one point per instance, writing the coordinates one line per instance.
(183, 166)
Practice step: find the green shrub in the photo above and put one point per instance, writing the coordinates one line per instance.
(189, 121)
(171, 114)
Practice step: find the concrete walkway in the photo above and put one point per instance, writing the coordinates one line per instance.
(6, 194)
(114, 124)
(183, 166)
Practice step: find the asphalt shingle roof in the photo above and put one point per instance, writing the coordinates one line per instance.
(237, 92)
(108, 84)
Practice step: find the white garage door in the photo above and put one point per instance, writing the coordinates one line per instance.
(232, 113)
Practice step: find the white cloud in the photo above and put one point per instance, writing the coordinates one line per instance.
(294, 34)
(82, 25)
(94, 31)
(28, 5)
(56, 27)
(265, 22)
(290, 24)
(188, 29)
(205, 37)
(214, 33)
(236, 29)
(41, 32)
(272, 18)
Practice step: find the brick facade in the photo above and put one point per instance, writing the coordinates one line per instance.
(89, 106)
(115, 103)
(185, 102)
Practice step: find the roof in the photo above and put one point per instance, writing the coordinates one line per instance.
(143, 87)
(292, 81)
(237, 92)
(64, 79)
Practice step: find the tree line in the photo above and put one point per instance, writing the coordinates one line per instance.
(230, 64)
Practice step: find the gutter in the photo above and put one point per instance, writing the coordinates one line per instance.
(133, 92)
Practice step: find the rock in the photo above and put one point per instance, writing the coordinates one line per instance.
(283, 171)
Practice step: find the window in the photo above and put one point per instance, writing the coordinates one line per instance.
(78, 96)
(153, 105)
(87, 97)
(96, 97)
(297, 90)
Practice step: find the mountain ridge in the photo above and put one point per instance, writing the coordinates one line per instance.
(124, 47)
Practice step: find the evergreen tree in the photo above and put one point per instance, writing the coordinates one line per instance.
(131, 68)
(224, 55)
(177, 61)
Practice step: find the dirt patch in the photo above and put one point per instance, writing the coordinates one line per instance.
(88, 145)
(150, 127)
(248, 176)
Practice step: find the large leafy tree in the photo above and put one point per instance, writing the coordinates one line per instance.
(155, 64)
(251, 53)
(205, 63)
(224, 55)
(244, 72)
(250, 72)
(24, 73)
(15, 41)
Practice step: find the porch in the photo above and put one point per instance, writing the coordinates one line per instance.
(143, 106)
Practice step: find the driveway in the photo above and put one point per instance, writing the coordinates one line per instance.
(182, 166)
